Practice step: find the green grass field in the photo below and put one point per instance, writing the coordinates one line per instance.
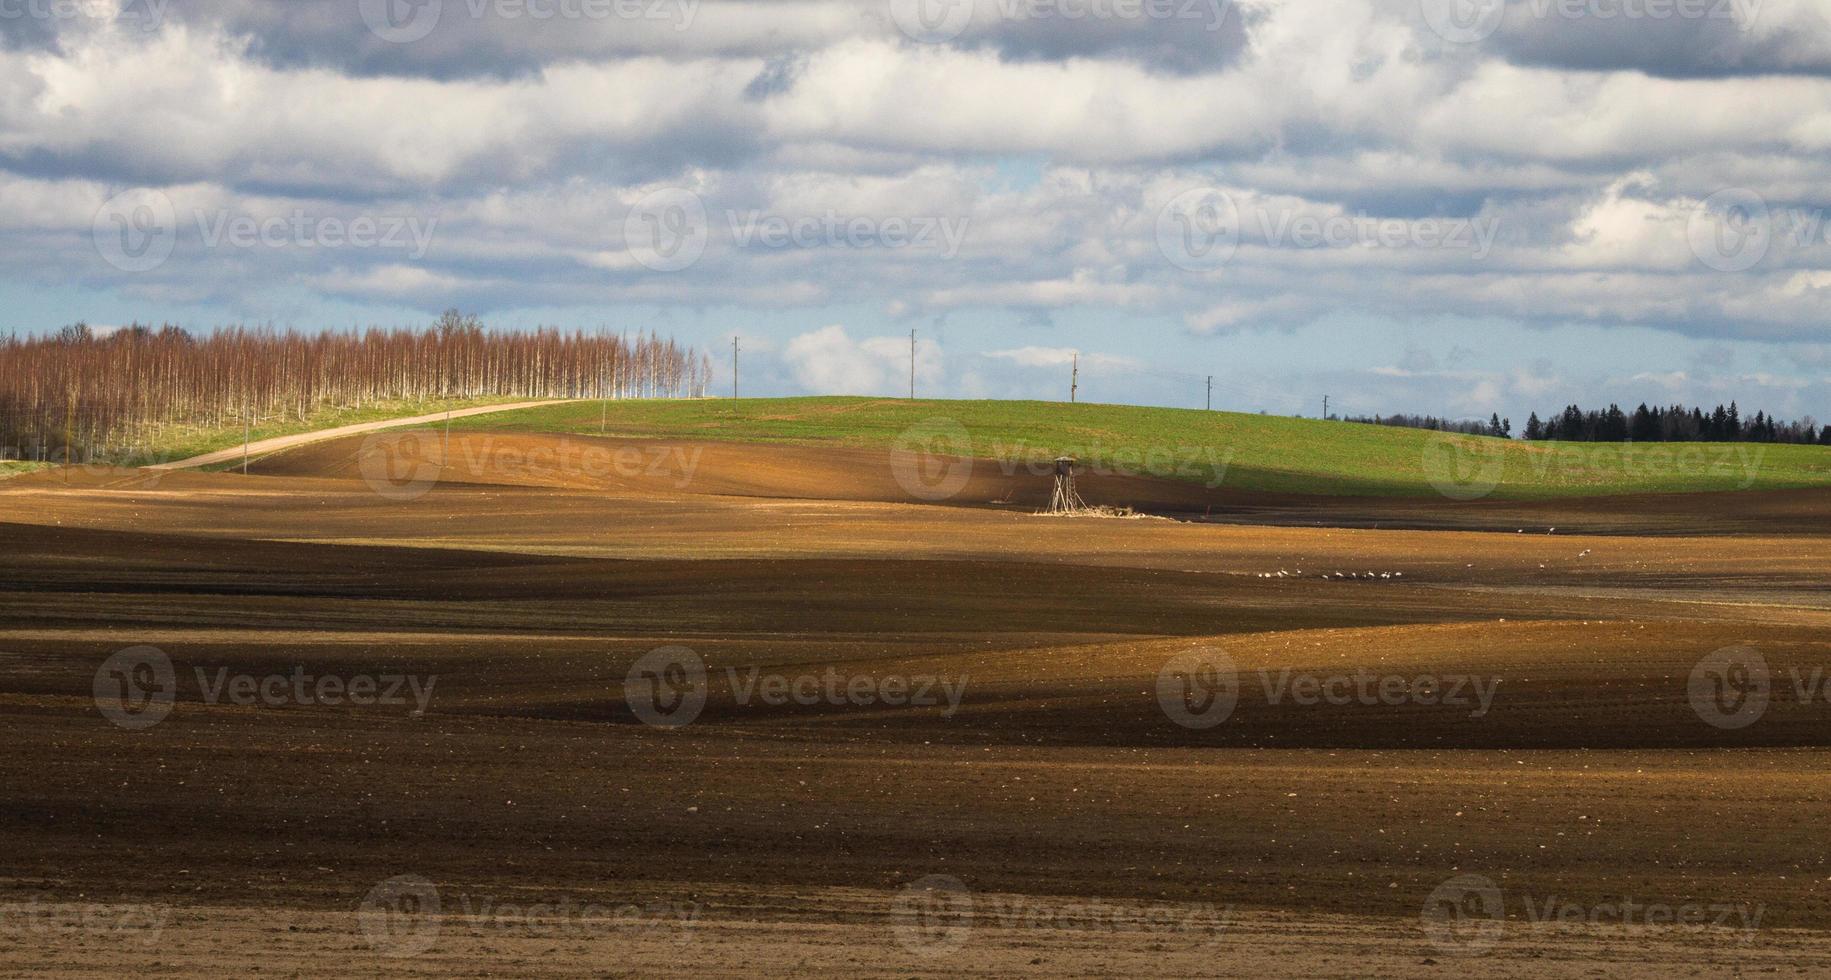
(1249, 452)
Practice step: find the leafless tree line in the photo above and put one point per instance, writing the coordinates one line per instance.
(107, 396)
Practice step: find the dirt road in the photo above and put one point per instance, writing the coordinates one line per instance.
(277, 443)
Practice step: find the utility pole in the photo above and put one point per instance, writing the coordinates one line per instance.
(1074, 380)
(69, 435)
(734, 370)
(1325, 408)
(1211, 393)
(912, 365)
(247, 426)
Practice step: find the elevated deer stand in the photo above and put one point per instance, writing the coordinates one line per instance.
(1065, 500)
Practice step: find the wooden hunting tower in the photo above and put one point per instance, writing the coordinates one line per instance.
(1065, 499)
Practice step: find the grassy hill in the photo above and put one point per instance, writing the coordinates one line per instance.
(1250, 452)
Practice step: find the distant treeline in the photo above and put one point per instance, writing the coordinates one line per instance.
(103, 395)
(1673, 424)
(1495, 426)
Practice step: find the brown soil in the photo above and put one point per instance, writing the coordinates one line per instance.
(792, 830)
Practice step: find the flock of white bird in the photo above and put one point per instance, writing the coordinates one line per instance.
(1281, 573)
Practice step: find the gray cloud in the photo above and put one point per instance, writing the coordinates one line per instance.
(1540, 176)
(1720, 38)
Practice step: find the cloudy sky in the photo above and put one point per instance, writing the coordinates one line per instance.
(1446, 206)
